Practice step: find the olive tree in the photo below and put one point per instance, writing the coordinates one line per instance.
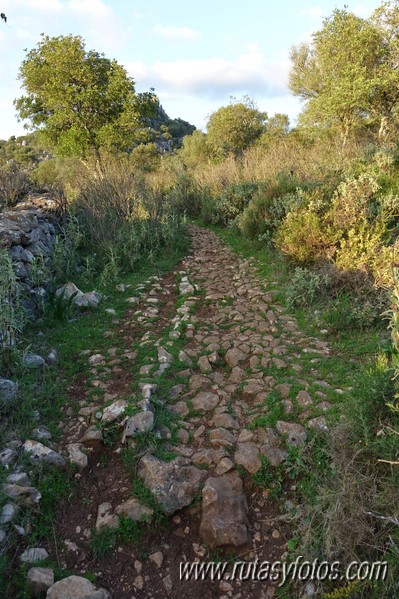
(80, 101)
(235, 127)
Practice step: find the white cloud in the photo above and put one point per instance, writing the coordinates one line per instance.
(99, 23)
(315, 12)
(361, 11)
(250, 73)
(43, 6)
(173, 34)
(91, 8)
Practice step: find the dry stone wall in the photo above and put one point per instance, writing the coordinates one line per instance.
(28, 232)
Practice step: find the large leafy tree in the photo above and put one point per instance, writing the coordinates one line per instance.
(235, 127)
(386, 94)
(339, 74)
(80, 101)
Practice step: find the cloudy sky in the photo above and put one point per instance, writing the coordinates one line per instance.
(195, 54)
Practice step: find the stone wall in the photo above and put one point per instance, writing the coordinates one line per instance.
(28, 232)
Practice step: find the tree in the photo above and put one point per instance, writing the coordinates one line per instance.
(195, 149)
(80, 101)
(233, 128)
(386, 95)
(339, 74)
(277, 127)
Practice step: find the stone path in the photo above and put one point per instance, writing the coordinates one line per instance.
(245, 402)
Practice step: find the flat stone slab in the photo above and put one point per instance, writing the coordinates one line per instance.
(224, 521)
(143, 422)
(234, 356)
(205, 401)
(8, 391)
(133, 509)
(247, 455)
(295, 433)
(113, 411)
(40, 579)
(33, 555)
(275, 455)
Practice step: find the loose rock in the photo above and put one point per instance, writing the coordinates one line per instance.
(224, 521)
(174, 484)
(40, 453)
(40, 579)
(76, 587)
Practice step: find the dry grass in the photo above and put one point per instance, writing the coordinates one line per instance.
(264, 164)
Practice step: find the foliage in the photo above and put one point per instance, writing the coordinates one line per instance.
(269, 207)
(79, 100)
(277, 127)
(227, 208)
(12, 314)
(352, 312)
(304, 288)
(303, 237)
(343, 74)
(124, 220)
(14, 185)
(233, 128)
(195, 149)
(145, 157)
(185, 197)
(20, 151)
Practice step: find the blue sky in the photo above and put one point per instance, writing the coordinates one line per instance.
(195, 54)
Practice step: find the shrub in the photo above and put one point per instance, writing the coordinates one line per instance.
(304, 287)
(14, 184)
(361, 248)
(352, 201)
(186, 197)
(265, 213)
(231, 203)
(125, 220)
(349, 311)
(303, 237)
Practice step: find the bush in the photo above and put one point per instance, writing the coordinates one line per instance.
(362, 248)
(226, 208)
(12, 313)
(303, 237)
(265, 213)
(14, 184)
(304, 287)
(186, 197)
